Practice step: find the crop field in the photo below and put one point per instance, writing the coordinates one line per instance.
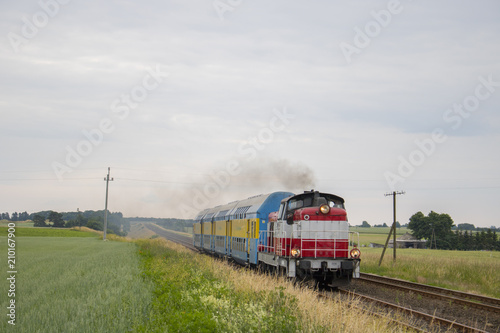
(75, 284)
(4, 223)
(469, 271)
(48, 232)
(375, 235)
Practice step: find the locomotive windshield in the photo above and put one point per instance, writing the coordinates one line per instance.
(314, 199)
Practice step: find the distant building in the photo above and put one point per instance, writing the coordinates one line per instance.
(408, 241)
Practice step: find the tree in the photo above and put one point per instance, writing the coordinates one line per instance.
(95, 223)
(365, 225)
(39, 221)
(56, 219)
(24, 216)
(466, 226)
(432, 227)
(79, 220)
(419, 226)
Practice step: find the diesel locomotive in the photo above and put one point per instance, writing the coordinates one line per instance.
(304, 236)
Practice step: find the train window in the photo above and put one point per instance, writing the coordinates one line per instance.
(337, 204)
(280, 213)
(295, 204)
(322, 201)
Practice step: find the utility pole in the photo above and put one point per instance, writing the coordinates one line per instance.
(106, 206)
(393, 228)
(79, 218)
(433, 238)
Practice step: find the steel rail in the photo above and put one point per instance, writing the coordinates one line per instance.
(427, 317)
(379, 315)
(473, 300)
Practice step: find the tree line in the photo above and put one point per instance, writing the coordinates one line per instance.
(89, 218)
(437, 230)
(365, 224)
(24, 216)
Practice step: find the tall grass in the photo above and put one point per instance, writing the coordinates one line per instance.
(76, 285)
(469, 271)
(195, 293)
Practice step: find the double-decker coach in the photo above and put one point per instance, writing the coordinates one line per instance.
(233, 229)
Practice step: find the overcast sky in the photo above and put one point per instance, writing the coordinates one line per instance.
(198, 103)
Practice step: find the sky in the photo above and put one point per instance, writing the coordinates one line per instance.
(193, 104)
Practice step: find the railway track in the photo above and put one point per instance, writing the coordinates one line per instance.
(430, 319)
(172, 236)
(482, 303)
(463, 312)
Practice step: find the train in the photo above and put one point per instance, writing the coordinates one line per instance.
(302, 236)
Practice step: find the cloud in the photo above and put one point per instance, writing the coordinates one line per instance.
(226, 76)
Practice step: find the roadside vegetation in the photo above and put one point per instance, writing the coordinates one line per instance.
(195, 293)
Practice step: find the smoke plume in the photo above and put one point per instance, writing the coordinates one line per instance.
(219, 187)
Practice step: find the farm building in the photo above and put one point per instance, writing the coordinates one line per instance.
(408, 241)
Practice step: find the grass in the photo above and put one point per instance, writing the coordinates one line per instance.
(5, 223)
(194, 293)
(75, 284)
(469, 271)
(191, 298)
(48, 232)
(71, 283)
(379, 230)
(376, 235)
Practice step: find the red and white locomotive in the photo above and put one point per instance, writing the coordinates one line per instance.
(304, 236)
(309, 238)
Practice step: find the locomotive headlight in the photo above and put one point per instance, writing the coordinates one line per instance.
(325, 209)
(355, 253)
(295, 252)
